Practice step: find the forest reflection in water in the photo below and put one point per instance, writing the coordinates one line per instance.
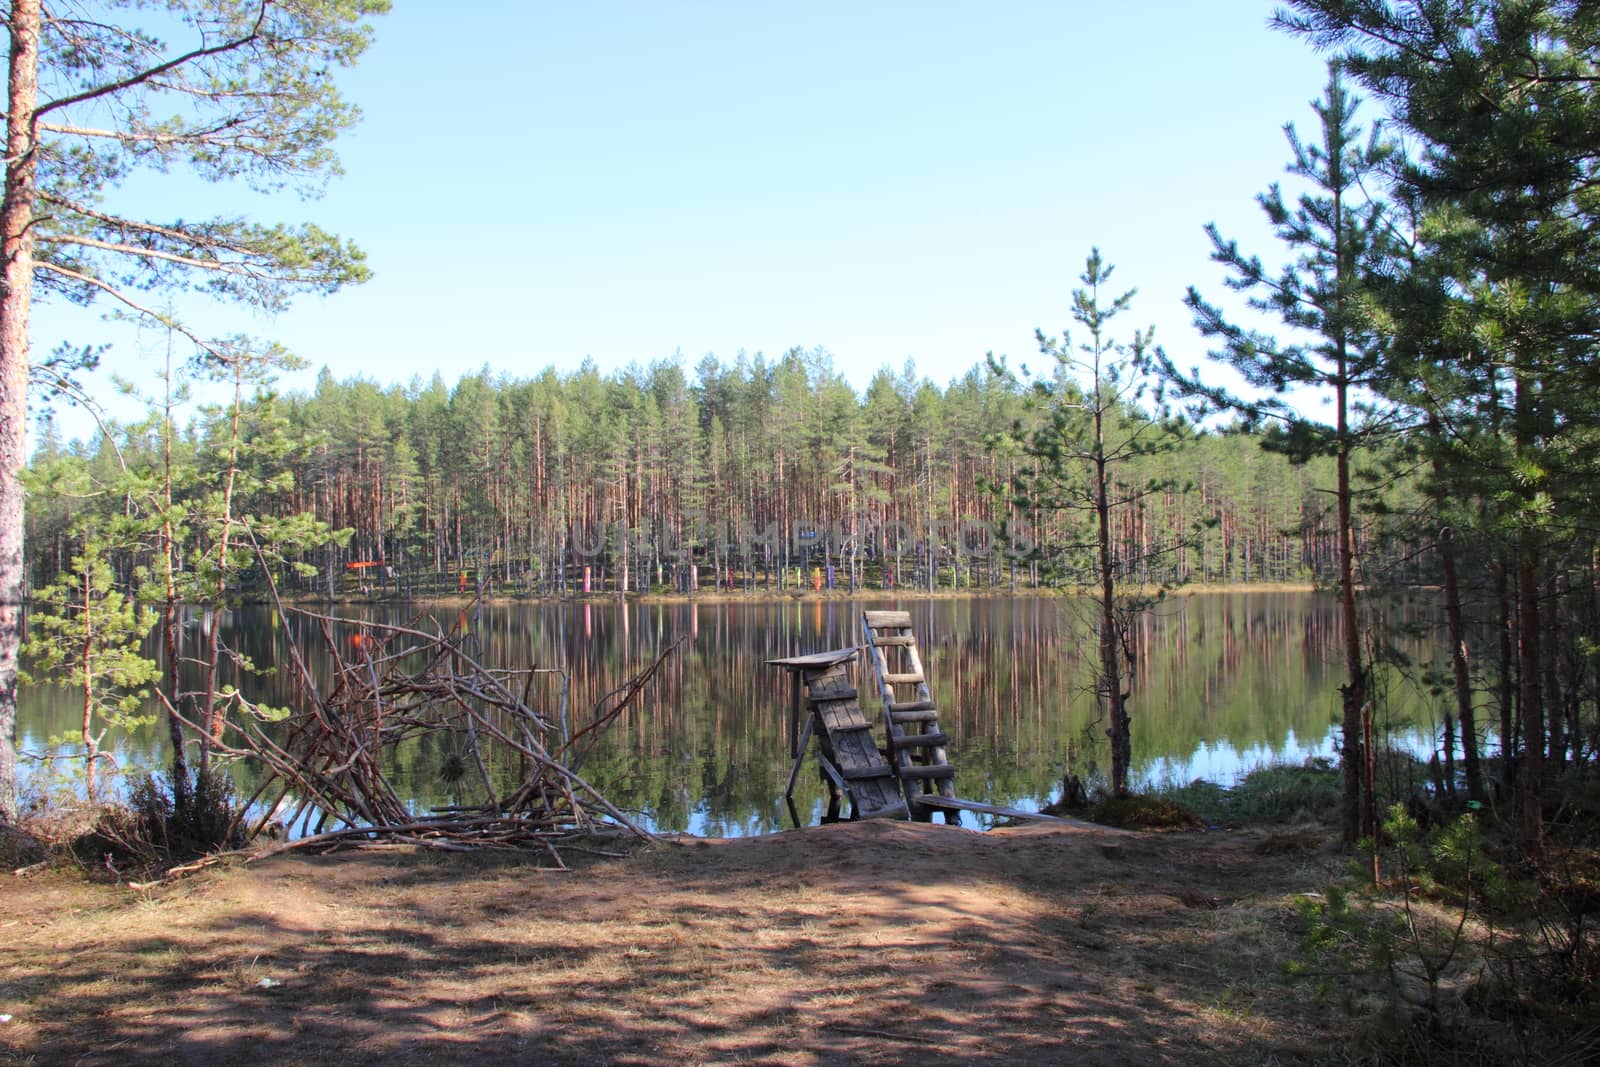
(1223, 683)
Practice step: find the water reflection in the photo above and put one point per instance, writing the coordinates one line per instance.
(1222, 683)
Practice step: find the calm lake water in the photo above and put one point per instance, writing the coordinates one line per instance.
(1224, 683)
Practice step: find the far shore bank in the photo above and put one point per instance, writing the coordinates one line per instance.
(760, 596)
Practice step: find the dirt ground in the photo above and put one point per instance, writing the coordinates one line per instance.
(873, 942)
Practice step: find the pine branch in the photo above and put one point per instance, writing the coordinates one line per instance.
(210, 347)
(152, 73)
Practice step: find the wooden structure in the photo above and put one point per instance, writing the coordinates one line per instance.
(916, 742)
(911, 777)
(852, 766)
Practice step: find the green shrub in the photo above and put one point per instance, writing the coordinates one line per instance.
(1448, 959)
(154, 831)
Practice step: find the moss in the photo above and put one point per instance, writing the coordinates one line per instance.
(1145, 813)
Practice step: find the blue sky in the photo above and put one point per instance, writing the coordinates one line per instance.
(536, 183)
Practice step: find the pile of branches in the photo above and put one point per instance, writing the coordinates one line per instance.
(327, 762)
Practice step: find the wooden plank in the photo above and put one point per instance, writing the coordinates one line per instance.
(880, 667)
(876, 792)
(794, 772)
(892, 640)
(815, 660)
(914, 661)
(831, 771)
(927, 715)
(920, 740)
(861, 745)
(957, 804)
(878, 796)
(911, 705)
(858, 746)
(794, 717)
(831, 683)
(879, 619)
(893, 808)
(857, 749)
(841, 716)
(904, 679)
(943, 770)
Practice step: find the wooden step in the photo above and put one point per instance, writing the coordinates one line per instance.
(920, 740)
(888, 811)
(843, 715)
(853, 774)
(903, 679)
(912, 705)
(914, 716)
(880, 619)
(943, 770)
(893, 640)
(817, 696)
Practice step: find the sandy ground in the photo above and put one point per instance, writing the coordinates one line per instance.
(875, 942)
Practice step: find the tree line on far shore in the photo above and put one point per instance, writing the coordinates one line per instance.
(760, 475)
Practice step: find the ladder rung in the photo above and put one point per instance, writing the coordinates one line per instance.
(928, 715)
(919, 740)
(878, 620)
(913, 705)
(943, 770)
(890, 640)
(902, 679)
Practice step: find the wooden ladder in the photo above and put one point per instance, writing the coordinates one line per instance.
(848, 752)
(916, 743)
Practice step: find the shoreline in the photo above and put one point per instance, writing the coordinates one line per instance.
(762, 596)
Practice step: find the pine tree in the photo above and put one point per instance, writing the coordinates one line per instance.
(94, 95)
(1336, 232)
(1500, 98)
(1087, 447)
(87, 633)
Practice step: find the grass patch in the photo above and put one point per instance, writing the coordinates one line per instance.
(1267, 794)
(1145, 813)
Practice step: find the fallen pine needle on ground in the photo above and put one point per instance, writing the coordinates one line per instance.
(872, 942)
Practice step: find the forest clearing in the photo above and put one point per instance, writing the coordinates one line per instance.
(524, 802)
(869, 942)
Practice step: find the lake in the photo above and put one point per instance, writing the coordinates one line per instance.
(1224, 682)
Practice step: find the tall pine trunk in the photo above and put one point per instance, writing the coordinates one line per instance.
(1110, 664)
(1354, 690)
(16, 292)
(1529, 660)
(1465, 714)
(1532, 702)
(169, 602)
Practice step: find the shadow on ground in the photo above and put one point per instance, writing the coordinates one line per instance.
(860, 943)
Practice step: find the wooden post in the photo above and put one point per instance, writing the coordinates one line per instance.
(794, 714)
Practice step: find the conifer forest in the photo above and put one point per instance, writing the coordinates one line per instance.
(1412, 407)
(1394, 393)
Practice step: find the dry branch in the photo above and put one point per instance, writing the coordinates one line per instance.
(403, 684)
